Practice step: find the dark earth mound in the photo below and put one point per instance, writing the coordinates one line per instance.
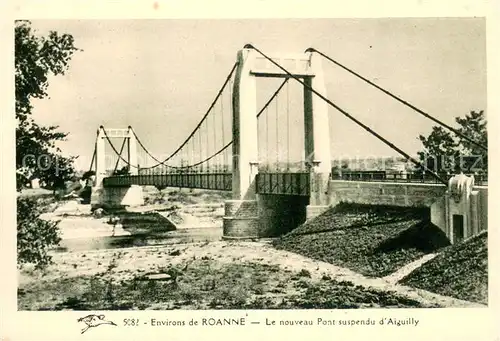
(459, 271)
(145, 222)
(372, 240)
(140, 222)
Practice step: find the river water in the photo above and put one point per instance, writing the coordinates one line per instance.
(84, 232)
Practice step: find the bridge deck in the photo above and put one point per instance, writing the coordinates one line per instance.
(266, 183)
(213, 181)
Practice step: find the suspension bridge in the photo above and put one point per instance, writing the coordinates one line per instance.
(275, 159)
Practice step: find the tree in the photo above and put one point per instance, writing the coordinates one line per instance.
(445, 151)
(34, 235)
(36, 152)
(35, 59)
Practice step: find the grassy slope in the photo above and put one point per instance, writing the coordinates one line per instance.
(460, 271)
(372, 240)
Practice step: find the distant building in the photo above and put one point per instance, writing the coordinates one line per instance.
(398, 167)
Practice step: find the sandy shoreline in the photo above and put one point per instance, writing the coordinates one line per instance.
(130, 262)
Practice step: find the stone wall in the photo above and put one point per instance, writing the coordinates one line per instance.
(384, 193)
(241, 219)
(275, 215)
(268, 216)
(279, 214)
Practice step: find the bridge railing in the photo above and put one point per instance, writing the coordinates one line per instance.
(279, 183)
(479, 179)
(213, 181)
(283, 183)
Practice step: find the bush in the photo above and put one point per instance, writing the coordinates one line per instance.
(34, 235)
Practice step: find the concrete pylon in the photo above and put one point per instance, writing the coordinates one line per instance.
(134, 195)
(241, 213)
(100, 156)
(132, 152)
(241, 218)
(245, 148)
(100, 170)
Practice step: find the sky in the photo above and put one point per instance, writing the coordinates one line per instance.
(160, 76)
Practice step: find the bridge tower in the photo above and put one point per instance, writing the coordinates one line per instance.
(115, 196)
(242, 212)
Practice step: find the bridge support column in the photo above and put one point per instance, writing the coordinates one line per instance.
(132, 152)
(117, 197)
(100, 170)
(241, 219)
(317, 139)
(319, 200)
(114, 197)
(241, 213)
(100, 158)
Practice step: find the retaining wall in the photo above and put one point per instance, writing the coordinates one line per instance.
(384, 193)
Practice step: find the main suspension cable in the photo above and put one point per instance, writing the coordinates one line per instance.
(116, 151)
(399, 99)
(345, 113)
(201, 121)
(147, 152)
(199, 132)
(208, 158)
(200, 138)
(93, 157)
(127, 162)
